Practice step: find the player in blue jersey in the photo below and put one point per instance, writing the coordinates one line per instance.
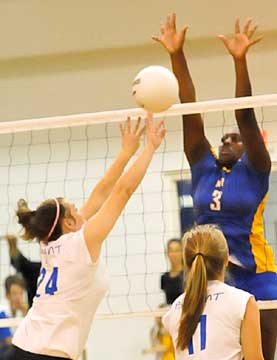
(231, 189)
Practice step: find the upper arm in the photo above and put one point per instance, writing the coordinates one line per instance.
(98, 227)
(91, 207)
(195, 141)
(253, 141)
(251, 332)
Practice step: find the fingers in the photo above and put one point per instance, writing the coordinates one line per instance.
(157, 128)
(125, 128)
(142, 131)
(121, 127)
(168, 20)
(256, 40)
(137, 125)
(159, 125)
(224, 39)
(247, 25)
(173, 21)
(251, 32)
(183, 32)
(237, 26)
(156, 38)
(162, 133)
(128, 125)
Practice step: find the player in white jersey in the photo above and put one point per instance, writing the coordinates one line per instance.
(212, 320)
(72, 280)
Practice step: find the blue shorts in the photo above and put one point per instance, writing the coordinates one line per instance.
(262, 285)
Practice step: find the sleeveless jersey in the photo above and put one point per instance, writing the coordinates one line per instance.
(70, 288)
(234, 200)
(217, 335)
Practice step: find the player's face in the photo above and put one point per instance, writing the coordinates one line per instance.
(73, 219)
(231, 149)
(16, 296)
(175, 253)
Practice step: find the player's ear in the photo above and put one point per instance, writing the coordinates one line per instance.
(68, 224)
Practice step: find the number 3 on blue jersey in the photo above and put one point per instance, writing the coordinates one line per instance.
(51, 285)
(203, 327)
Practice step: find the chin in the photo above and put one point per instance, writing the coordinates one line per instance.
(227, 162)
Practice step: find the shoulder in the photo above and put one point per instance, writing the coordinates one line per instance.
(208, 159)
(235, 291)
(244, 161)
(239, 298)
(204, 167)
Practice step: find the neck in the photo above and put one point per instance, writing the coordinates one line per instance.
(221, 277)
(176, 268)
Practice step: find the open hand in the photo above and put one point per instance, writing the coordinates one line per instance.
(155, 132)
(172, 40)
(130, 137)
(241, 41)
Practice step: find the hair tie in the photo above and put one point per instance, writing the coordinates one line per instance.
(55, 221)
(200, 254)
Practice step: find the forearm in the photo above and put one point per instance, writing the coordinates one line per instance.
(181, 71)
(195, 142)
(243, 85)
(132, 178)
(104, 187)
(243, 88)
(246, 119)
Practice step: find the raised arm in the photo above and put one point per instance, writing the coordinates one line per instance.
(98, 227)
(195, 142)
(130, 140)
(238, 45)
(19, 261)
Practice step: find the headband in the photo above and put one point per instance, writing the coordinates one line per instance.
(55, 221)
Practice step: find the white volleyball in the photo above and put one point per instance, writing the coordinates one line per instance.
(155, 88)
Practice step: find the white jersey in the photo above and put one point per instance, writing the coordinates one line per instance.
(217, 336)
(70, 288)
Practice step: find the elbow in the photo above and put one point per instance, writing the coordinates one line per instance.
(123, 192)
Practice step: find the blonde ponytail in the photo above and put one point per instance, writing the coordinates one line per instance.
(205, 253)
(194, 301)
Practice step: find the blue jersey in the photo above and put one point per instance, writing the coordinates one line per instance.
(4, 332)
(234, 200)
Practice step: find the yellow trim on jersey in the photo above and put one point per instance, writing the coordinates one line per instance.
(212, 150)
(261, 250)
(224, 168)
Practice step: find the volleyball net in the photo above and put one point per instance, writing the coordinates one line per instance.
(67, 155)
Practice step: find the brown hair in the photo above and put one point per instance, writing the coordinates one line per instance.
(173, 240)
(37, 223)
(14, 280)
(205, 253)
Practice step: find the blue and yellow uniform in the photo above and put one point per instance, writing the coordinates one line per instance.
(234, 199)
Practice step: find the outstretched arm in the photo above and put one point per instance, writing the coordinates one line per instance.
(99, 226)
(238, 46)
(195, 142)
(130, 140)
